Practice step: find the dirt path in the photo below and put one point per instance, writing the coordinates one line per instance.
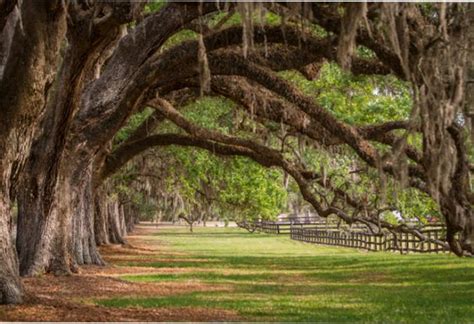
(50, 298)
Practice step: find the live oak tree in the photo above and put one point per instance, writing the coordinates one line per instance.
(31, 37)
(73, 72)
(66, 184)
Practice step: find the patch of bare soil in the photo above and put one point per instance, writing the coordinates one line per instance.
(68, 298)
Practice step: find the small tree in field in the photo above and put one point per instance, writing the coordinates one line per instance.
(190, 219)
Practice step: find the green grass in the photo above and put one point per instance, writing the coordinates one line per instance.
(273, 278)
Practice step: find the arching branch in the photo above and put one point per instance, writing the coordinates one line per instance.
(125, 75)
(232, 64)
(228, 145)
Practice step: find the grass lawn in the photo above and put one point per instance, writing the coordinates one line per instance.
(272, 278)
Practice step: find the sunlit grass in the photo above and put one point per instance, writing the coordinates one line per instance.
(272, 278)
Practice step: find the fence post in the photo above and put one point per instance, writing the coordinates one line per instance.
(407, 236)
(430, 237)
(422, 245)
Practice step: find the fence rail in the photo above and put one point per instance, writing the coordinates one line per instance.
(402, 242)
(285, 227)
(358, 236)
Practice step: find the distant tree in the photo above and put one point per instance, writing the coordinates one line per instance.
(190, 219)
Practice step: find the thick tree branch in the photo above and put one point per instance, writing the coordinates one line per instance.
(6, 7)
(233, 64)
(228, 145)
(125, 75)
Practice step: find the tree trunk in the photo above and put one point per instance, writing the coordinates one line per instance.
(66, 232)
(59, 259)
(189, 220)
(115, 232)
(11, 290)
(42, 189)
(460, 225)
(122, 222)
(44, 228)
(101, 217)
(131, 216)
(84, 244)
(35, 235)
(27, 70)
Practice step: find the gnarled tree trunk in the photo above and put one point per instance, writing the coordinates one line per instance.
(28, 65)
(115, 221)
(46, 185)
(131, 217)
(10, 286)
(84, 244)
(101, 227)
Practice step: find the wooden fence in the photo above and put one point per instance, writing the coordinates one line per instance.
(402, 242)
(273, 227)
(284, 227)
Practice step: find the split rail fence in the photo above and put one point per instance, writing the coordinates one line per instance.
(284, 227)
(359, 237)
(402, 242)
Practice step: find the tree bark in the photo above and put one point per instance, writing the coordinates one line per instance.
(28, 66)
(115, 223)
(101, 217)
(460, 225)
(46, 185)
(84, 243)
(11, 290)
(131, 217)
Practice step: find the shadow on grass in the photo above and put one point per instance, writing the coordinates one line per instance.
(273, 279)
(205, 234)
(324, 303)
(320, 262)
(323, 268)
(326, 289)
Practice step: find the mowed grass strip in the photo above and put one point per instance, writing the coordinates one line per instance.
(273, 278)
